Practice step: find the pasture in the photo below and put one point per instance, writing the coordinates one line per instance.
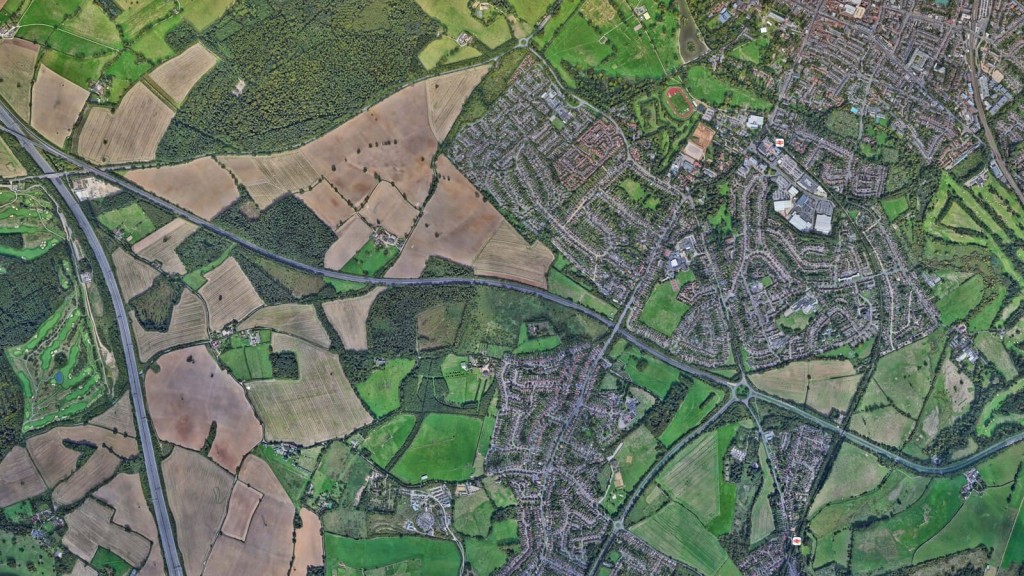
(129, 134)
(663, 311)
(906, 374)
(898, 491)
(884, 425)
(131, 221)
(56, 104)
(562, 285)
(473, 514)
(703, 85)
(821, 384)
(675, 531)
(400, 554)
(854, 472)
(762, 520)
(692, 477)
(318, 406)
(189, 393)
(699, 401)
(386, 439)
(457, 18)
(464, 384)
(244, 361)
(371, 260)
(382, 390)
(200, 186)
(443, 449)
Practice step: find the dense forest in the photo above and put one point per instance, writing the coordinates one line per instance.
(307, 66)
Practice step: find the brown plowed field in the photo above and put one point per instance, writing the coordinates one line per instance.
(327, 204)
(456, 224)
(507, 255)
(134, 276)
(129, 134)
(320, 405)
(17, 67)
(446, 94)
(89, 527)
(351, 237)
(295, 319)
(119, 419)
(96, 470)
(240, 510)
(228, 294)
(188, 324)
(56, 104)
(348, 317)
(177, 76)
(392, 139)
(185, 397)
(19, 478)
(201, 186)
(386, 207)
(267, 178)
(160, 246)
(309, 545)
(197, 494)
(81, 569)
(268, 543)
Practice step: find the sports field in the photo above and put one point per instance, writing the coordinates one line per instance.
(443, 449)
(663, 311)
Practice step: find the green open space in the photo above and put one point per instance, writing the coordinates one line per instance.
(465, 382)
(704, 85)
(457, 18)
(247, 361)
(528, 345)
(109, 563)
(371, 260)
(751, 50)
(443, 449)
(201, 13)
(663, 311)
(387, 438)
(893, 207)
(905, 376)
(23, 555)
(644, 370)
(133, 223)
(675, 531)
(958, 304)
(635, 456)
(293, 478)
(382, 389)
(562, 285)
(29, 227)
(699, 401)
(393, 555)
(473, 514)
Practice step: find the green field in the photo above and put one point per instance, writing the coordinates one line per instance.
(636, 455)
(694, 479)
(395, 555)
(762, 520)
(106, 562)
(500, 494)
(676, 532)
(898, 491)
(796, 321)
(484, 555)
(371, 259)
(703, 85)
(202, 13)
(245, 361)
(196, 278)
(473, 514)
(59, 368)
(25, 556)
(339, 477)
(464, 385)
(444, 449)
(562, 285)
(382, 390)
(601, 35)
(434, 52)
(853, 473)
(645, 371)
(385, 440)
(751, 51)
(662, 311)
(893, 207)
(992, 348)
(700, 400)
(959, 303)
(293, 478)
(457, 18)
(529, 345)
(905, 376)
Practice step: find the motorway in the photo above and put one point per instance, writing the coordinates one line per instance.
(156, 489)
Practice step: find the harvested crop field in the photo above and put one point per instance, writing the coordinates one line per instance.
(19, 478)
(822, 384)
(124, 494)
(90, 527)
(56, 462)
(97, 469)
(386, 207)
(392, 139)
(197, 494)
(160, 246)
(456, 224)
(267, 178)
(188, 324)
(186, 396)
(129, 134)
(268, 541)
(351, 237)
(507, 255)
(348, 317)
(229, 294)
(56, 104)
(296, 319)
(119, 418)
(134, 276)
(309, 545)
(201, 186)
(240, 510)
(447, 93)
(328, 205)
(318, 406)
(177, 76)
(17, 67)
